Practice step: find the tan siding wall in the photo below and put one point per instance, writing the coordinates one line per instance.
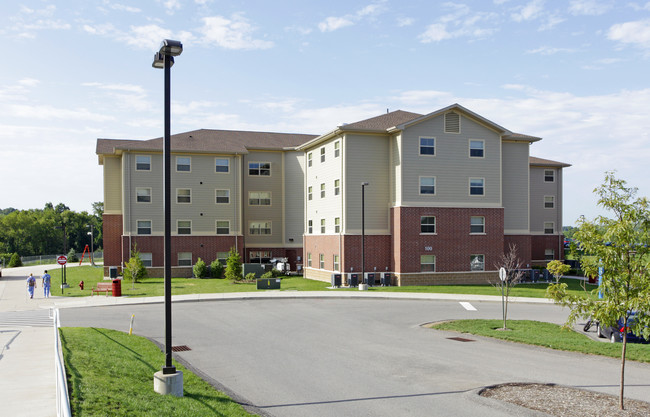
(112, 185)
(294, 197)
(325, 172)
(538, 189)
(516, 169)
(451, 165)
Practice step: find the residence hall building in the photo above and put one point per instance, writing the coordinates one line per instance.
(447, 194)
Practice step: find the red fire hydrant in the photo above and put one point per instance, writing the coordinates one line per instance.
(81, 285)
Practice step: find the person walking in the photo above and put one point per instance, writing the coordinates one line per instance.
(31, 284)
(47, 279)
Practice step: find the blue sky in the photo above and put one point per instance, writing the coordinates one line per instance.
(572, 72)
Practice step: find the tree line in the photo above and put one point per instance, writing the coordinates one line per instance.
(50, 230)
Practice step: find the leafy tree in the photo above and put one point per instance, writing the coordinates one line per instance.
(511, 263)
(200, 269)
(216, 269)
(15, 261)
(557, 269)
(620, 247)
(134, 269)
(234, 265)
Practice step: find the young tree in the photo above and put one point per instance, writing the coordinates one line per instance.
(620, 248)
(233, 265)
(134, 269)
(557, 269)
(200, 269)
(513, 275)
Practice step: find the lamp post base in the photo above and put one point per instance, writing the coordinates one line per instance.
(363, 287)
(168, 384)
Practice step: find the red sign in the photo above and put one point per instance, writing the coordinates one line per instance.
(62, 260)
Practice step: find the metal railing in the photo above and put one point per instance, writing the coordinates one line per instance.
(62, 400)
(51, 259)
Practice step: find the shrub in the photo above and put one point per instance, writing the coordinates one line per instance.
(134, 269)
(250, 276)
(216, 269)
(268, 274)
(15, 261)
(72, 256)
(200, 269)
(233, 265)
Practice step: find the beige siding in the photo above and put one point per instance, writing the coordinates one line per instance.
(326, 173)
(538, 190)
(132, 179)
(396, 170)
(451, 166)
(112, 185)
(515, 187)
(367, 160)
(294, 198)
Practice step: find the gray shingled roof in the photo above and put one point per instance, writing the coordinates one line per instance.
(383, 122)
(546, 162)
(208, 140)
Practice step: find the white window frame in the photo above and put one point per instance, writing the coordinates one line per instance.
(260, 169)
(189, 164)
(322, 190)
(474, 225)
(310, 159)
(322, 226)
(183, 259)
(549, 201)
(337, 149)
(321, 261)
(433, 147)
(227, 165)
(147, 259)
(422, 225)
(148, 157)
(255, 198)
(148, 194)
(432, 261)
(322, 154)
(549, 254)
(420, 185)
(336, 262)
(178, 227)
(138, 227)
(337, 187)
(480, 263)
(178, 196)
(260, 226)
(552, 228)
(482, 148)
(217, 196)
(482, 187)
(309, 260)
(218, 228)
(310, 227)
(337, 225)
(310, 192)
(552, 172)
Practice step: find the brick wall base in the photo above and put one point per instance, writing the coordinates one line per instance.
(446, 278)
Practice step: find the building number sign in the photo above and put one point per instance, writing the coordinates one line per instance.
(428, 248)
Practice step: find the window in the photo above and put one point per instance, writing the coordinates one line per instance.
(337, 149)
(259, 198)
(337, 225)
(427, 224)
(428, 185)
(322, 154)
(477, 224)
(223, 227)
(259, 256)
(477, 262)
(183, 195)
(184, 227)
(309, 259)
(428, 146)
(143, 195)
(322, 190)
(549, 228)
(222, 196)
(337, 187)
(183, 164)
(223, 257)
(476, 148)
(549, 175)
(452, 122)
(309, 192)
(144, 227)
(427, 263)
(259, 228)
(143, 163)
(549, 201)
(336, 263)
(309, 159)
(321, 261)
(476, 186)
(549, 254)
(146, 259)
(310, 227)
(322, 225)
(222, 165)
(184, 258)
(259, 168)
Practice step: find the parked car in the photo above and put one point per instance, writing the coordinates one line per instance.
(615, 333)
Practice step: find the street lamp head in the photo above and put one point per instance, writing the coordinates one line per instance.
(159, 61)
(171, 47)
(363, 184)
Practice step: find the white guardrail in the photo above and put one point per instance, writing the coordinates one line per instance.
(62, 400)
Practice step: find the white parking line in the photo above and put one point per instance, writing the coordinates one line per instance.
(467, 306)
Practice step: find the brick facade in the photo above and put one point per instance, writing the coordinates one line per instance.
(542, 242)
(112, 232)
(524, 247)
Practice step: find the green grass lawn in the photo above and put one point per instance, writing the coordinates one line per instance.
(111, 374)
(546, 335)
(150, 287)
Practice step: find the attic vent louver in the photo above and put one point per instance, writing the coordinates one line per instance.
(452, 122)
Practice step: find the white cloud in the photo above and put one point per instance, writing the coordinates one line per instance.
(233, 33)
(461, 22)
(405, 21)
(29, 82)
(46, 112)
(333, 23)
(548, 50)
(589, 7)
(635, 33)
(124, 8)
(530, 11)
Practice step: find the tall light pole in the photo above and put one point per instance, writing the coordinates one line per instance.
(168, 381)
(363, 231)
(92, 247)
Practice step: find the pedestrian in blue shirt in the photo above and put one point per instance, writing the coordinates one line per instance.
(46, 284)
(31, 284)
